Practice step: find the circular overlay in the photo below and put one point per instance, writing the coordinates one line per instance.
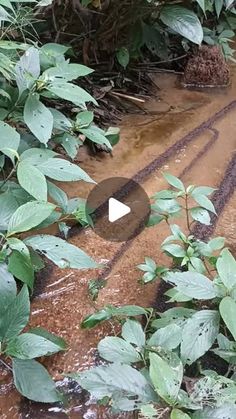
(120, 209)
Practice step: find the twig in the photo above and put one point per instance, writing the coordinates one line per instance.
(135, 99)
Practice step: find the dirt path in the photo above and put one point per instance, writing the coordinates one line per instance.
(192, 135)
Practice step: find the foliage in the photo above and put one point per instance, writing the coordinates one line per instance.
(201, 21)
(148, 367)
(37, 84)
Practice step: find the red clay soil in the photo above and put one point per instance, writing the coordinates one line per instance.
(207, 68)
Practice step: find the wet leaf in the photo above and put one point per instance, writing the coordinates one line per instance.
(33, 381)
(63, 254)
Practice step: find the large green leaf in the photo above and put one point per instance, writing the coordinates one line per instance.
(227, 411)
(201, 215)
(166, 376)
(37, 156)
(168, 337)
(8, 205)
(115, 349)
(63, 170)
(32, 180)
(20, 266)
(33, 381)
(226, 268)
(193, 284)
(16, 315)
(29, 216)
(228, 314)
(116, 378)
(174, 181)
(9, 140)
(132, 332)
(199, 334)
(65, 72)
(183, 21)
(58, 195)
(63, 254)
(30, 345)
(27, 69)
(72, 93)
(7, 288)
(179, 414)
(38, 118)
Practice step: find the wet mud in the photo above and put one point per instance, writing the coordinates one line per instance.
(194, 138)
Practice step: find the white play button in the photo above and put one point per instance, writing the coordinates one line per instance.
(116, 210)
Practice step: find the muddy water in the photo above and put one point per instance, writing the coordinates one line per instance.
(160, 136)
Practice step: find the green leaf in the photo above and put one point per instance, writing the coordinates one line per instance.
(227, 411)
(199, 334)
(203, 190)
(33, 381)
(178, 414)
(168, 337)
(96, 318)
(123, 57)
(84, 119)
(27, 69)
(174, 181)
(166, 376)
(9, 140)
(8, 205)
(104, 381)
(64, 171)
(63, 254)
(192, 284)
(204, 202)
(38, 118)
(32, 180)
(58, 195)
(176, 296)
(58, 341)
(219, 6)
(176, 315)
(201, 215)
(29, 216)
(60, 121)
(132, 332)
(72, 93)
(183, 21)
(71, 144)
(65, 72)
(20, 266)
(19, 245)
(113, 135)
(7, 289)
(228, 314)
(30, 345)
(96, 135)
(16, 316)
(115, 349)
(36, 156)
(226, 268)
(174, 250)
(129, 310)
(202, 5)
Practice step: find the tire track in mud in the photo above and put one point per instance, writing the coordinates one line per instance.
(145, 172)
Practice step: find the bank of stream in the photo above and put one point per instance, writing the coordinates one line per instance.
(192, 134)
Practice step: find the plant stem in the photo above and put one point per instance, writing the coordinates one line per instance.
(187, 213)
(8, 177)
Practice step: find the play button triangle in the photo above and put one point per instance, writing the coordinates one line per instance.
(116, 210)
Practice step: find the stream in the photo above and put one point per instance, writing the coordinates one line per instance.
(192, 134)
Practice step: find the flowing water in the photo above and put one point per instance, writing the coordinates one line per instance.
(192, 134)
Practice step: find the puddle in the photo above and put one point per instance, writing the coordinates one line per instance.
(62, 300)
